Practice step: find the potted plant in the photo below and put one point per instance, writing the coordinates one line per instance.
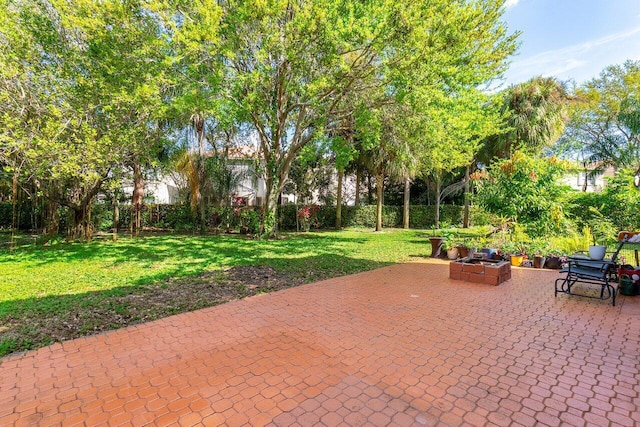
(516, 251)
(538, 248)
(436, 245)
(600, 229)
(464, 248)
(553, 261)
(596, 251)
(451, 247)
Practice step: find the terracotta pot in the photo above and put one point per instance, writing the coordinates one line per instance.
(436, 246)
(538, 261)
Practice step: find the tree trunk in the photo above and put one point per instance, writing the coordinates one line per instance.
(137, 199)
(465, 220)
(379, 192)
(339, 200)
(270, 203)
(15, 214)
(52, 219)
(116, 216)
(203, 213)
(407, 197)
(273, 210)
(199, 127)
(88, 227)
(358, 182)
(81, 223)
(437, 213)
(369, 191)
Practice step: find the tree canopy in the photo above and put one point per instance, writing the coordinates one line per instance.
(91, 87)
(604, 126)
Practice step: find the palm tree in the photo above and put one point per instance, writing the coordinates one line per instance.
(535, 114)
(391, 157)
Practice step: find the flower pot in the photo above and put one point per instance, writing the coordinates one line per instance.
(463, 251)
(538, 261)
(597, 252)
(627, 286)
(552, 262)
(452, 253)
(436, 246)
(516, 260)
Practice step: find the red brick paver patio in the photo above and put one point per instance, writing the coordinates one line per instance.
(402, 345)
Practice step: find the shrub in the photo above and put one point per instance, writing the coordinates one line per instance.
(178, 216)
(420, 217)
(524, 189)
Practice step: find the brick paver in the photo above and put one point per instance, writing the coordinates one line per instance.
(402, 345)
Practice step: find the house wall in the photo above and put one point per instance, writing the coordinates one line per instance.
(163, 190)
(595, 183)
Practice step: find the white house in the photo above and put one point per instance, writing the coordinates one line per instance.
(584, 179)
(160, 190)
(166, 188)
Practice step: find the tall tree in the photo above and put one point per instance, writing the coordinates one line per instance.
(100, 64)
(287, 65)
(604, 129)
(448, 130)
(535, 113)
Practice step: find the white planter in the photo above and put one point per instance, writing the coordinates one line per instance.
(597, 252)
(452, 253)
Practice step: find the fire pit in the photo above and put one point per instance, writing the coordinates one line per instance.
(476, 270)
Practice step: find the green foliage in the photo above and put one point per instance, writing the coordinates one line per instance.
(524, 189)
(422, 217)
(251, 219)
(478, 216)
(570, 242)
(534, 116)
(604, 122)
(618, 204)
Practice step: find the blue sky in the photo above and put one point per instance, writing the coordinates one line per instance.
(572, 39)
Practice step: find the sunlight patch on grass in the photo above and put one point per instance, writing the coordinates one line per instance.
(76, 268)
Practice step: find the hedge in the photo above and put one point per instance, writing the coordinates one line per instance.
(178, 217)
(420, 217)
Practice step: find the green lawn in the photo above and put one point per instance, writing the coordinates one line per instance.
(45, 289)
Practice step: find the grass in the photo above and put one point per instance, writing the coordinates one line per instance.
(58, 292)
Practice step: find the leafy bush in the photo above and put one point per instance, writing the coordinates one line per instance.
(420, 217)
(178, 216)
(618, 203)
(524, 189)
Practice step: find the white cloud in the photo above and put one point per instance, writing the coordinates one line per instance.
(583, 60)
(510, 3)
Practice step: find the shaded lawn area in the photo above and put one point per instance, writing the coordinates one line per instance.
(65, 291)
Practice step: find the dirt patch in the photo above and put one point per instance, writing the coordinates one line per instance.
(81, 315)
(262, 279)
